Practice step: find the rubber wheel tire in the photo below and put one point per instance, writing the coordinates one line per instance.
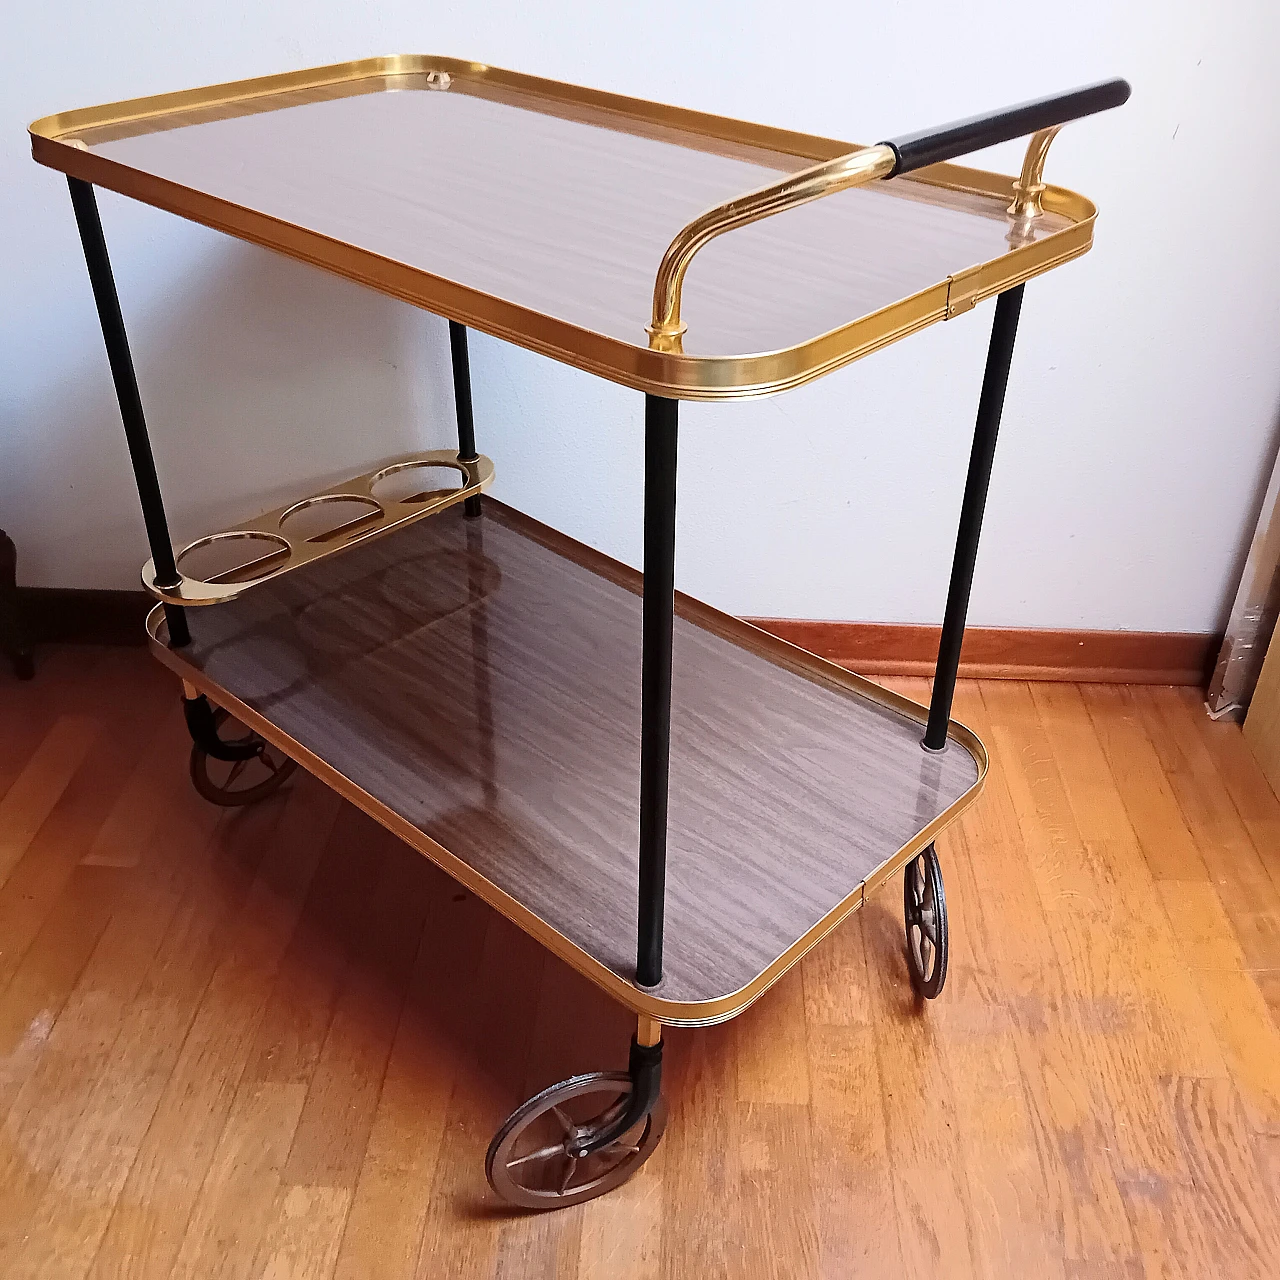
(610, 1172)
(925, 914)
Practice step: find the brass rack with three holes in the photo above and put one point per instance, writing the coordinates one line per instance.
(282, 552)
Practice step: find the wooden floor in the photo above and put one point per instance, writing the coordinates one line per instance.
(276, 1043)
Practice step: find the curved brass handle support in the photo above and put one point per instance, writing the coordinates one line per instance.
(901, 155)
(852, 170)
(1029, 187)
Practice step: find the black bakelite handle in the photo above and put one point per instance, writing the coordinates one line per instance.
(929, 146)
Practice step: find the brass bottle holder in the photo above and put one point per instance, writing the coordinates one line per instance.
(282, 552)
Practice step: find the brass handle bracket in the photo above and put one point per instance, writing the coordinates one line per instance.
(1042, 117)
(1029, 188)
(851, 170)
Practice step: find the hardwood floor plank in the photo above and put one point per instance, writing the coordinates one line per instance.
(1268, 982)
(463, 1231)
(67, 686)
(47, 975)
(407, 1140)
(773, 1062)
(931, 1199)
(293, 1029)
(1004, 1168)
(1249, 894)
(277, 1043)
(329, 1145)
(1247, 785)
(1267, 1150)
(620, 1235)
(358, 1008)
(1007, 945)
(834, 979)
(1119, 898)
(137, 709)
(1096, 807)
(146, 1231)
(702, 1210)
(49, 1109)
(40, 785)
(49, 969)
(236, 1204)
(301, 1242)
(1249, 1036)
(852, 1174)
(77, 1205)
(1077, 1060)
(1234, 1201)
(776, 1193)
(1148, 799)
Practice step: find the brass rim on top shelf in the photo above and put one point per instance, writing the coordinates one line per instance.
(283, 553)
(660, 370)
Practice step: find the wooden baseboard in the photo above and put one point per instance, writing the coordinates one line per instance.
(68, 615)
(1009, 653)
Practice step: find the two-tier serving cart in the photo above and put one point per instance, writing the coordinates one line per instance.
(676, 803)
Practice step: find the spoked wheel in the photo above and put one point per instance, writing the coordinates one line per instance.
(925, 908)
(533, 1161)
(237, 782)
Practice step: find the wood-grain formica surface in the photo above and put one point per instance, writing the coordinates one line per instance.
(481, 680)
(569, 219)
(276, 1042)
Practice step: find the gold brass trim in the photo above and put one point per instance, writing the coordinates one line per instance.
(1029, 188)
(852, 170)
(648, 1031)
(289, 553)
(649, 369)
(640, 1002)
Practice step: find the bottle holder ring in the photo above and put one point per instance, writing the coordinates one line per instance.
(221, 566)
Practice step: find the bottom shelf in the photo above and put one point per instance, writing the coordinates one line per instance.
(474, 684)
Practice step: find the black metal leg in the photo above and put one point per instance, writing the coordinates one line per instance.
(462, 403)
(660, 421)
(1004, 330)
(135, 425)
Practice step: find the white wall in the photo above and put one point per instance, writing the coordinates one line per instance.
(1141, 415)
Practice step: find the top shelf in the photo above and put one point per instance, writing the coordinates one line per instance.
(539, 212)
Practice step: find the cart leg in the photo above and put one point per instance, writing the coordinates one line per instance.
(583, 1136)
(462, 405)
(240, 786)
(1004, 330)
(660, 422)
(230, 771)
(135, 425)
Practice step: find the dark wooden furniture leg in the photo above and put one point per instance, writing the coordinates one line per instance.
(13, 634)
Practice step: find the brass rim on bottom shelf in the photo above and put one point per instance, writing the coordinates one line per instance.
(638, 1001)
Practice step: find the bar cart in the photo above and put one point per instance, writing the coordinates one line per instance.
(677, 804)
